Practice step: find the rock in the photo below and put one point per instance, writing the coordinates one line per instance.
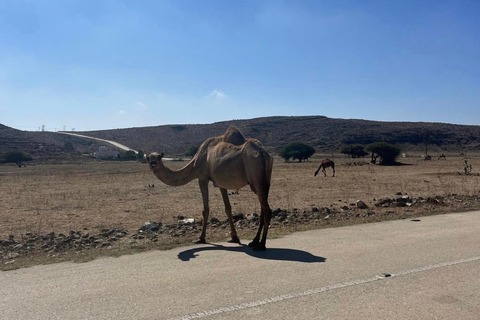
(384, 202)
(403, 199)
(276, 211)
(431, 200)
(238, 216)
(214, 220)
(186, 221)
(361, 205)
(151, 226)
(106, 244)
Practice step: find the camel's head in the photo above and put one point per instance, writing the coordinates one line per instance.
(153, 159)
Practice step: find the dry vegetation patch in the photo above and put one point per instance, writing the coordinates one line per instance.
(98, 201)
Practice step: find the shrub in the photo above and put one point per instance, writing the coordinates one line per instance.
(128, 155)
(140, 155)
(388, 153)
(192, 151)
(297, 150)
(354, 151)
(16, 157)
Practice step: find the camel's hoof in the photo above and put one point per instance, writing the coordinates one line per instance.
(253, 244)
(234, 240)
(259, 247)
(199, 241)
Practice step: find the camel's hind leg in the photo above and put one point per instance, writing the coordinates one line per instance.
(228, 211)
(265, 218)
(333, 168)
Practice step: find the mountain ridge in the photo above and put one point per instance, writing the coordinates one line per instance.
(326, 135)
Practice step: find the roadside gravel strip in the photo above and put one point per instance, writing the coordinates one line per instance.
(253, 304)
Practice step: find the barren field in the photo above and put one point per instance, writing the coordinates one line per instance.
(92, 197)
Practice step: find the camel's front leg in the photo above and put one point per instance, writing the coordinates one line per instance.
(206, 210)
(228, 211)
(256, 240)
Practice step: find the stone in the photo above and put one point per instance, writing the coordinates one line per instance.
(361, 205)
(214, 220)
(238, 216)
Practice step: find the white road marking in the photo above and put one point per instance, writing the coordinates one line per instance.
(253, 304)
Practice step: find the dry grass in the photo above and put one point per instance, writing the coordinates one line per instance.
(60, 198)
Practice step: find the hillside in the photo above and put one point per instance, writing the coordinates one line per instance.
(44, 146)
(325, 134)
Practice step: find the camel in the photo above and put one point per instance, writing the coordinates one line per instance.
(230, 161)
(324, 165)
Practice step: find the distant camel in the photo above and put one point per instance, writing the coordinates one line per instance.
(230, 161)
(324, 165)
(427, 157)
(442, 156)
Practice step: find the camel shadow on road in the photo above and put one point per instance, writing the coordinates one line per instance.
(279, 254)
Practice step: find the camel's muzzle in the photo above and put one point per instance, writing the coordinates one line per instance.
(153, 164)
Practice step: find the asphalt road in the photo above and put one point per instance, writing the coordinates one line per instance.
(434, 268)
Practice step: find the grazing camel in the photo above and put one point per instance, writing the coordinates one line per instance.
(324, 165)
(230, 161)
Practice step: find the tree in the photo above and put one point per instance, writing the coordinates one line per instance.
(16, 157)
(297, 150)
(140, 155)
(354, 151)
(388, 153)
(192, 151)
(128, 155)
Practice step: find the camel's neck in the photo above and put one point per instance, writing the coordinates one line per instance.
(174, 178)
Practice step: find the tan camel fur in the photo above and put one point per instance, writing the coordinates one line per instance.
(230, 161)
(324, 165)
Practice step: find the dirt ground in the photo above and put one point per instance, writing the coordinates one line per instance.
(93, 196)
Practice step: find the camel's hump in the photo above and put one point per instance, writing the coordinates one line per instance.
(234, 136)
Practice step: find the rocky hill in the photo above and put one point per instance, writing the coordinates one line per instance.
(325, 134)
(45, 146)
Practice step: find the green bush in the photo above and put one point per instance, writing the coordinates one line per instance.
(140, 155)
(16, 157)
(192, 151)
(388, 153)
(128, 155)
(297, 150)
(354, 151)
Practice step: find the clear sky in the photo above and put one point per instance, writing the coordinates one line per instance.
(103, 64)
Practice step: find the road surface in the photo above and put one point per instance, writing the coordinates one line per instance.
(113, 143)
(427, 269)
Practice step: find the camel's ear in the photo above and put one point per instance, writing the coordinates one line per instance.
(160, 156)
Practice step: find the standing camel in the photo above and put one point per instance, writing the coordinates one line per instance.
(324, 165)
(230, 161)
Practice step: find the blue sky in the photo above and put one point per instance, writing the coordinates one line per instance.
(103, 64)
